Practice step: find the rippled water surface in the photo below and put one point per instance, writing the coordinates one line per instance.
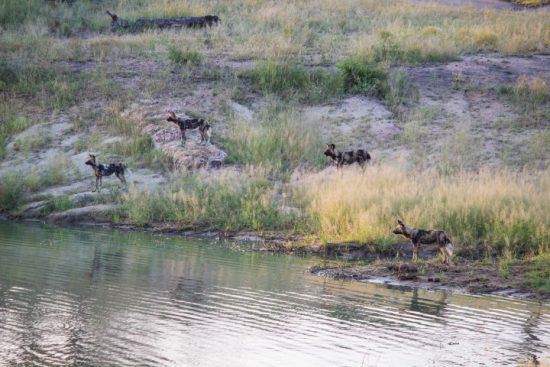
(102, 297)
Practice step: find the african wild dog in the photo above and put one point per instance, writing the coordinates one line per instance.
(102, 170)
(360, 156)
(426, 237)
(186, 124)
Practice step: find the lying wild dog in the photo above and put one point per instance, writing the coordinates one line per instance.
(426, 237)
(102, 170)
(360, 156)
(186, 124)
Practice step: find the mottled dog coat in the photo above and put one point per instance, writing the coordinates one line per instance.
(188, 124)
(359, 156)
(102, 170)
(426, 237)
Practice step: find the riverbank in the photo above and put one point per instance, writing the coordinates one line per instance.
(364, 263)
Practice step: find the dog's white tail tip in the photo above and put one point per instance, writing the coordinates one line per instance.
(450, 248)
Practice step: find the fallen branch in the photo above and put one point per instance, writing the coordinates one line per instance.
(136, 25)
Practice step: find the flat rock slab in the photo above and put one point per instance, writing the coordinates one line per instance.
(101, 212)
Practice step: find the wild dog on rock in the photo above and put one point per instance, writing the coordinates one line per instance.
(426, 237)
(187, 124)
(102, 170)
(360, 156)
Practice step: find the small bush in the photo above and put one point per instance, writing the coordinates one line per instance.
(181, 57)
(362, 78)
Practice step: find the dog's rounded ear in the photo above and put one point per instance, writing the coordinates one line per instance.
(400, 222)
(171, 114)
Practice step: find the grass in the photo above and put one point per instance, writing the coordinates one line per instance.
(498, 209)
(184, 57)
(11, 123)
(53, 87)
(51, 173)
(11, 190)
(531, 99)
(293, 82)
(279, 142)
(231, 201)
(538, 277)
(362, 78)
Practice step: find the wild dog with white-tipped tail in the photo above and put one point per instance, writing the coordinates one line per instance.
(426, 237)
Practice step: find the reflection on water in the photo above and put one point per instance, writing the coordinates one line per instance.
(89, 297)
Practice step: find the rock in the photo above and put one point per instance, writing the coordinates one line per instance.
(96, 213)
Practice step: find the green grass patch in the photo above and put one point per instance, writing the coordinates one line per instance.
(10, 124)
(11, 190)
(54, 88)
(184, 57)
(362, 78)
(57, 204)
(294, 82)
(538, 278)
(228, 202)
(531, 100)
(280, 142)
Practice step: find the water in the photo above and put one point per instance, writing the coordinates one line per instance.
(103, 297)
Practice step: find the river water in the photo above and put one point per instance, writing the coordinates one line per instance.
(105, 297)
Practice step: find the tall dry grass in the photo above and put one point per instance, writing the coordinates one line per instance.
(504, 211)
(328, 29)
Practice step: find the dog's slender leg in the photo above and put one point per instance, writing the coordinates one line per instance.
(444, 254)
(415, 252)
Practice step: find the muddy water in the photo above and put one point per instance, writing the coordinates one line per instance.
(102, 297)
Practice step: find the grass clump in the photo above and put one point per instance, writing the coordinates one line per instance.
(531, 99)
(57, 204)
(500, 210)
(294, 82)
(54, 88)
(10, 124)
(231, 201)
(538, 277)
(11, 190)
(280, 142)
(362, 78)
(184, 57)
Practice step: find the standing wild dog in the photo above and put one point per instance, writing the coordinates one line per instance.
(187, 124)
(102, 170)
(426, 237)
(360, 156)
